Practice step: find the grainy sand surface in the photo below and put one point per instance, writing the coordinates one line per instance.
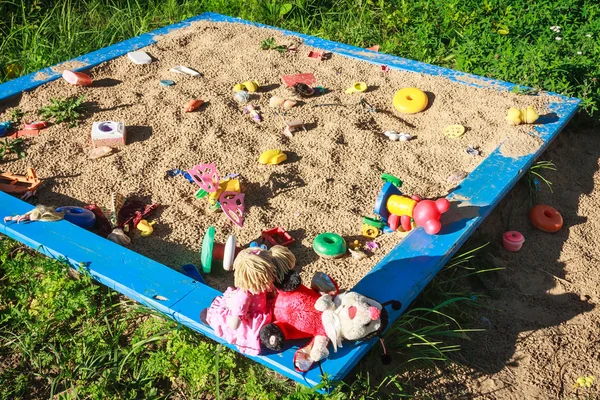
(331, 177)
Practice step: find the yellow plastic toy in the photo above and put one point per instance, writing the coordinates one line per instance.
(357, 87)
(226, 185)
(146, 227)
(369, 231)
(410, 100)
(453, 131)
(401, 205)
(518, 116)
(273, 156)
(250, 86)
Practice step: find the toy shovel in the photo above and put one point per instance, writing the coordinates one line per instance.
(206, 176)
(232, 204)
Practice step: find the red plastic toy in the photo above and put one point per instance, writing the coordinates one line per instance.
(277, 236)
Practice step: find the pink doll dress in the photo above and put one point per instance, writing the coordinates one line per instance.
(253, 311)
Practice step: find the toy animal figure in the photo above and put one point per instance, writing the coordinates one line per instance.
(323, 317)
(238, 315)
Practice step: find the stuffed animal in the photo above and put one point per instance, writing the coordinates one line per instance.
(240, 312)
(323, 317)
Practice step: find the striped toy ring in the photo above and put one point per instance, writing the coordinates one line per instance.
(546, 218)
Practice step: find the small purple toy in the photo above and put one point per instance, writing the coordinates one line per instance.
(250, 109)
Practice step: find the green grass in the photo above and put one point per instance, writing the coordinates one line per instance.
(504, 39)
(71, 337)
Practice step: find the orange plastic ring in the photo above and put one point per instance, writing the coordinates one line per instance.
(546, 218)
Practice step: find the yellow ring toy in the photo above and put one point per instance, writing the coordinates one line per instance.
(410, 100)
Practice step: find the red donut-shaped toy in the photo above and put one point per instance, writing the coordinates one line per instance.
(546, 218)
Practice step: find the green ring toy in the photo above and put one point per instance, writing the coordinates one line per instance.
(329, 245)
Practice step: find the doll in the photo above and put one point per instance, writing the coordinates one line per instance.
(238, 315)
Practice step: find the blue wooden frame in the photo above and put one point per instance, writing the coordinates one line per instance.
(400, 275)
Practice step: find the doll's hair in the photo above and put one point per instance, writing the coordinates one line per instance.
(255, 269)
(284, 261)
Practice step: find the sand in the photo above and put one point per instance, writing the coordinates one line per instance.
(540, 319)
(331, 177)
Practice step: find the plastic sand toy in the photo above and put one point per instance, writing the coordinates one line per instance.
(357, 87)
(410, 100)
(329, 245)
(273, 156)
(513, 241)
(546, 218)
(518, 116)
(145, 227)
(139, 57)
(79, 216)
(193, 105)
(213, 251)
(19, 184)
(77, 78)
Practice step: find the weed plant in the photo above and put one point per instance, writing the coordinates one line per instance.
(12, 146)
(64, 110)
(534, 176)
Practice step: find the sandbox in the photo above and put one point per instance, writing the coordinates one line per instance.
(330, 180)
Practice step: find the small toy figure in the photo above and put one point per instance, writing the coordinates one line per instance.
(241, 312)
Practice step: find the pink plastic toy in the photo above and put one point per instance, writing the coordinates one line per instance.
(513, 241)
(232, 204)
(206, 176)
(76, 78)
(397, 210)
(427, 213)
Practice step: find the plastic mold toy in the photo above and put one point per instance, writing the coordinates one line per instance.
(397, 210)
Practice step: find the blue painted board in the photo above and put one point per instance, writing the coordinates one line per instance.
(401, 275)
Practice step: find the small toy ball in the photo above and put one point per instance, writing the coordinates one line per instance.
(329, 245)
(166, 82)
(410, 100)
(546, 218)
(81, 217)
(518, 116)
(273, 156)
(241, 96)
(513, 241)
(453, 131)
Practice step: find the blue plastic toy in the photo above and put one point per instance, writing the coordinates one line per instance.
(79, 216)
(191, 271)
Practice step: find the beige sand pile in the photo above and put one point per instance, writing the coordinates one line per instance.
(331, 177)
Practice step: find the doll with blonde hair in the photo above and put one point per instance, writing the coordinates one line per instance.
(240, 312)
